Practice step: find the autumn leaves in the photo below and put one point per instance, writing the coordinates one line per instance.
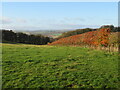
(93, 38)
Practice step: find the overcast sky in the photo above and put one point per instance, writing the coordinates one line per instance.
(58, 15)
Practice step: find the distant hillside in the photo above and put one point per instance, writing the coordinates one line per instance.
(75, 32)
(81, 31)
(100, 37)
(48, 33)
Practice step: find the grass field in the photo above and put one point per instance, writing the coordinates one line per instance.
(34, 66)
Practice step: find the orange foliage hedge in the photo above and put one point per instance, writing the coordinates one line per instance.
(94, 38)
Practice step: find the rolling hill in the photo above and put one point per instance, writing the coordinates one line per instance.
(102, 37)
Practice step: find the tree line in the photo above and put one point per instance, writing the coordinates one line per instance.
(10, 36)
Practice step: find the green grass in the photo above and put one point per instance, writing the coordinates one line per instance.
(32, 66)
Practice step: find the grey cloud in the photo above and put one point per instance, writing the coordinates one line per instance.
(51, 27)
(8, 20)
(21, 27)
(5, 20)
(77, 26)
(74, 19)
(21, 20)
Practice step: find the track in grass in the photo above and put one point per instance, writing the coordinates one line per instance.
(34, 66)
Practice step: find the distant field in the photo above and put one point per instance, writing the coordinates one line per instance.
(35, 66)
(50, 33)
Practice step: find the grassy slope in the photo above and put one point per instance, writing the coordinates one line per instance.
(32, 66)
